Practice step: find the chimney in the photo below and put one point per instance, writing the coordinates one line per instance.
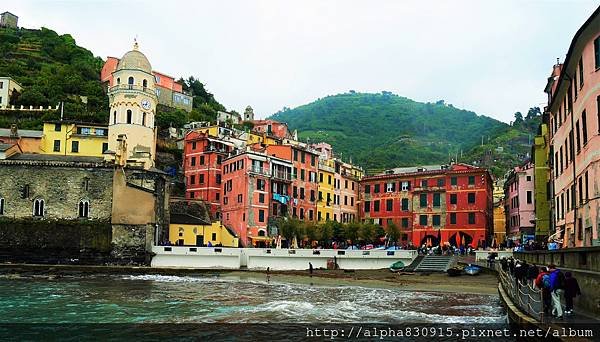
(14, 132)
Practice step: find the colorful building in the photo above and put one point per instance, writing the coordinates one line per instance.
(431, 204)
(188, 230)
(520, 203)
(29, 141)
(256, 191)
(327, 185)
(305, 184)
(167, 91)
(499, 214)
(72, 138)
(574, 110)
(348, 193)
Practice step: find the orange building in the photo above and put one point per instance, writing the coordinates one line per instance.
(255, 193)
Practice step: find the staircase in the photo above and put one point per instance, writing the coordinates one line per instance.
(435, 263)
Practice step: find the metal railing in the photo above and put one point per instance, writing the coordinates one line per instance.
(524, 295)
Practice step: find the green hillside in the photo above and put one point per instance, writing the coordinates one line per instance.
(385, 130)
(52, 68)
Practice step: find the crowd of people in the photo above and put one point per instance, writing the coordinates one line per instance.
(553, 283)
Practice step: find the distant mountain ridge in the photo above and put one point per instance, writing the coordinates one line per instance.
(383, 130)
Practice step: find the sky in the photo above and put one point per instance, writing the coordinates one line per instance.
(491, 57)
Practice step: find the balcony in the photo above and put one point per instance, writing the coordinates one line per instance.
(132, 88)
(259, 171)
(282, 175)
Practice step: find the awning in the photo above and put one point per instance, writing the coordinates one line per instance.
(260, 238)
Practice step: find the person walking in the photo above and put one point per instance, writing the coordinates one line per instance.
(571, 291)
(557, 286)
(542, 282)
(310, 268)
(532, 273)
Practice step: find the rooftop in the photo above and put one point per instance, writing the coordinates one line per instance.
(26, 133)
(56, 157)
(187, 219)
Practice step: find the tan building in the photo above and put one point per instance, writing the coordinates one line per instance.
(132, 101)
(10, 20)
(8, 89)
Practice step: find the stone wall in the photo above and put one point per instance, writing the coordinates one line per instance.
(61, 188)
(55, 241)
(584, 263)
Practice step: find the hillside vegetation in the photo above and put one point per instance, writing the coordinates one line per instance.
(384, 130)
(52, 68)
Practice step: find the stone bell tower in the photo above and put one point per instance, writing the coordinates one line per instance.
(132, 102)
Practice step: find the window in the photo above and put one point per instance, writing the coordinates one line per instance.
(437, 199)
(529, 178)
(302, 214)
(130, 80)
(436, 220)
(312, 162)
(104, 147)
(390, 187)
(471, 197)
(261, 215)
(376, 188)
(405, 186)
(405, 204)
(56, 145)
(302, 194)
(201, 160)
(303, 175)
(144, 119)
(529, 197)
(201, 178)
(75, 146)
(1, 206)
(129, 115)
(578, 136)
(423, 200)
(84, 209)
(581, 72)
(312, 196)
(424, 183)
(38, 207)
(311, 215)
(584, 127)
(441, 182)
(376, 206)
(329, 179)
(404, 222)
(302, 156)
(145, 83)
(367, 206)
(367, 189)
(423, 220)
(598, 112)
(261, 198)
(193, 161)
(389, 204)
(453, 199)
(192, 179)
(452, 218)
(453, 181)
(471, 218)
(260, 184)
(597, 52)
(57, 127)
(295, 155)
(471, 180)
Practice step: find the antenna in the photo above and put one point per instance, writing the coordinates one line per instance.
(62, 108)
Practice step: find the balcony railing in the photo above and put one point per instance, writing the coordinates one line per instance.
(282, 175)
(133, 87)
(259, 171)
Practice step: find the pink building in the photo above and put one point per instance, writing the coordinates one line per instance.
(519, 203)
(574, 108)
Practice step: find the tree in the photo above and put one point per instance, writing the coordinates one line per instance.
(351, 231)
(518, 119)
(533, 113)
(326, 233)
(393, 232)
(366, 233)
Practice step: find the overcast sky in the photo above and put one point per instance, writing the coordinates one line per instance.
(492, 57)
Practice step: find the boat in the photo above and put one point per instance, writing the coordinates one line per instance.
(454, 271)
(472, 270)
(397, 266)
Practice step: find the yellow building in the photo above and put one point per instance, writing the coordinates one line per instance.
(326, 189)
(71, 138)
(499, 222)
(186, 230)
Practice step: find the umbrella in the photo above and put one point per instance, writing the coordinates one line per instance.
(294, 243)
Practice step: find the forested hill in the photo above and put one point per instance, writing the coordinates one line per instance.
(52, 68)
(384, 130)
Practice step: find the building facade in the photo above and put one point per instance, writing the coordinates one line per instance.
(574, 111)
(9, 20)
(255, 192)
(541, 177)
(71, 138)
(520, 203)
(431, 204)
(9, 88)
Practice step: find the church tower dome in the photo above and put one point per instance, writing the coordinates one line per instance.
(132, 101)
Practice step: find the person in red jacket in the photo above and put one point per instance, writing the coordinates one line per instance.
(539, 283)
